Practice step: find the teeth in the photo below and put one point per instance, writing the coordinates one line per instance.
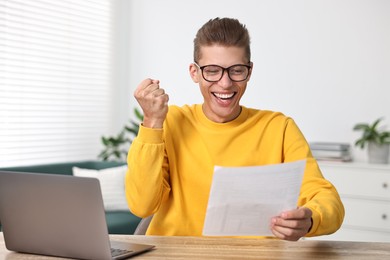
(224, 96)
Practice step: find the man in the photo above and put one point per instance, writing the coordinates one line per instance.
(171, 161)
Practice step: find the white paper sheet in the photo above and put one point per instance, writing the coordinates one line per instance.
(244, 199)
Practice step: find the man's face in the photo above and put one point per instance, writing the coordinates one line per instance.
(221, 98)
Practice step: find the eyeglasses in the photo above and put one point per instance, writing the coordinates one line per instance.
(214, 73)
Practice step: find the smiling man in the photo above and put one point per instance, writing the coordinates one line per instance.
(171, 161)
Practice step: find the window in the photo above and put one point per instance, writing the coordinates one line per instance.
(55, 80)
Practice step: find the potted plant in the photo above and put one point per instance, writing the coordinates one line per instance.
(116, 147)
(376, 139)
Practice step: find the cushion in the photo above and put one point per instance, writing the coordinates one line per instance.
(112, 183)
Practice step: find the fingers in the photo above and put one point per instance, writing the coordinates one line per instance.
(146, 88)
(292, 225)
(153, 101)
(299, 213)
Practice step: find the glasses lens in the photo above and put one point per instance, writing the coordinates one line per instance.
(212, 73)
(238, 72)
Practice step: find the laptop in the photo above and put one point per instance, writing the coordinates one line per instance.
(58, 215)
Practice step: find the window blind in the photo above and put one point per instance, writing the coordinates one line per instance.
(55, 78)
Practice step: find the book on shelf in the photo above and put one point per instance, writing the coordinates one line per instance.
(328, 151)
(329, 146)
(341, 158)
(335, 159)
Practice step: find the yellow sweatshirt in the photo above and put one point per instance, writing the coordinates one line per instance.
(170, 170)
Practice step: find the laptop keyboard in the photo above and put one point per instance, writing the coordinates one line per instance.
(118, 252)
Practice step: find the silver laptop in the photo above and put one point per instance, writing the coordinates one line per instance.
(57, 215)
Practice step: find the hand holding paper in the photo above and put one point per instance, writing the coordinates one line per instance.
(243, 200)
(293, 224)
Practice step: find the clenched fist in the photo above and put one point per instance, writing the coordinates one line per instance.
(153, 101)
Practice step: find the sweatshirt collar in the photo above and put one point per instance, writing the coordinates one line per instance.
(207, 122)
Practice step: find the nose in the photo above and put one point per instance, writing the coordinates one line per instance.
(225, 81)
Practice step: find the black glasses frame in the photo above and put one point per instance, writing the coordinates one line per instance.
(223, 71)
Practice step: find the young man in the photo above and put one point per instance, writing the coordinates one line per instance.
(171, 161)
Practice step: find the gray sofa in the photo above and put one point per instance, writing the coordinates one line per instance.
(118, 222)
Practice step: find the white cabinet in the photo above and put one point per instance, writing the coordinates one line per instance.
(365, 192)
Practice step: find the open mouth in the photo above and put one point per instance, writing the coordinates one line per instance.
(224, 96)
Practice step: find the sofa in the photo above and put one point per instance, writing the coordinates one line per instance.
(118, 221)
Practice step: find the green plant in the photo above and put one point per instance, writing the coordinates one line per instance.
(116, 147)
(371, 133)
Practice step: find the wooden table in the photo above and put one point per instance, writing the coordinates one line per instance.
(240, 248)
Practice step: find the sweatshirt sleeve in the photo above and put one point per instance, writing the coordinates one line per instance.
(147, 179)
(317, 193)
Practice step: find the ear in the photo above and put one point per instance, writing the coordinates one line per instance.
(194, 73)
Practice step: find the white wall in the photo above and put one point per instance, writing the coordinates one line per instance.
(324, 63)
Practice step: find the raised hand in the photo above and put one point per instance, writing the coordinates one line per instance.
(153, 101)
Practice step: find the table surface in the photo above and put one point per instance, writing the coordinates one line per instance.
(239, 248)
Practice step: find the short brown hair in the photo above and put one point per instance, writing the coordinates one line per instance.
(222, 31)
